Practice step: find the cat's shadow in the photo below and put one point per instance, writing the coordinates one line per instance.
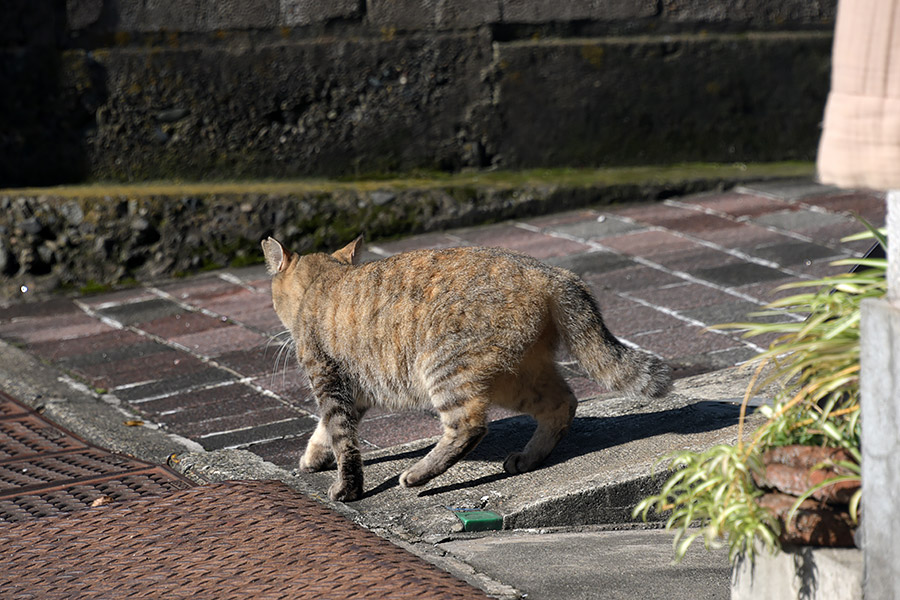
(586, 435)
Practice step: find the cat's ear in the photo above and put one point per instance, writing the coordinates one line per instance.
(349, 254)
(276, 256)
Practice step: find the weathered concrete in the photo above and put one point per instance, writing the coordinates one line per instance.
(801, 572)
(613, 565)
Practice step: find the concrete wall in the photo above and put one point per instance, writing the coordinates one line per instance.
(199, 89)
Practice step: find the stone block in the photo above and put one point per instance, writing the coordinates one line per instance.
(307, 12)
(158, 15)
(538, 11)
(309, 108)
(402, 14)
(83, 13)
(612, 100)
(756, 12)
(239, 14)
(441, 14)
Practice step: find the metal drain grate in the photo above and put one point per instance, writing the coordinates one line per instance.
(231, 540)
(45, 470)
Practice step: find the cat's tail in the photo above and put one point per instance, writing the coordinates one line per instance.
(603, 356)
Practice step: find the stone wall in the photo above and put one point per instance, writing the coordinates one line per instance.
(207, 89)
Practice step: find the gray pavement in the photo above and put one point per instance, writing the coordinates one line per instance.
(192, 362)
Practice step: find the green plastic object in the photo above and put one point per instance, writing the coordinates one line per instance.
(478, 520)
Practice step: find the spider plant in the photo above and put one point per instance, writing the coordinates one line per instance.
(814, 362)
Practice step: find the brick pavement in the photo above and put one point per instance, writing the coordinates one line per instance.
(202, 357)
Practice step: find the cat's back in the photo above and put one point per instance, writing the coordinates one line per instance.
(444, 275)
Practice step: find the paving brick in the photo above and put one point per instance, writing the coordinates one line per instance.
(261, 318)
(801, 220)
(835, 232)
(181, 323)
(795, 252)
(286, 452)
(142, 312)
(684, 341)
(291, 385)
(253, 362)
(678, 219)
(743, 237)
(684, 296)
(106, 342)
(768, 291)
(119, 297)
(632, 278)
(238, 305)
(229, 391)
(45, 308)
(33, 330)
(636, 319)
(869, 205)
(591, 262)
(695, 260)
(515, 238)
(789, 189)
(172, 385)
(738, 205)
(95, 365)
(564, 218)
(648, 243)
(734, 275)
(257, 433)
(221, 340)
(399, 428)
(148, 363)
(735, 311)
(197, 423)
(202, 288)
(597, 228)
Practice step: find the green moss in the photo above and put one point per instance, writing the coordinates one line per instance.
(637, 175)
(93, 287)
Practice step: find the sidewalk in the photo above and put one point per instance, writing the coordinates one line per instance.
(198, 361)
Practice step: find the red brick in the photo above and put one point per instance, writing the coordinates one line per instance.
(739, 205)
(182, 323)
(684, 341)
(648, 243)
(529, 242)
(108, 341)
(221, 340)
(399, 428)
(32, 330)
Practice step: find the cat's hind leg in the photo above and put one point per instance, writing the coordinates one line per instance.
(552, 404)
(465, 423)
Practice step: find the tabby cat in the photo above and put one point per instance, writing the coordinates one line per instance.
(456, 330)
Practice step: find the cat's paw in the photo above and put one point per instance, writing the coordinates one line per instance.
(341, 491)
(315, 463)
(517, 462)
(413, 477)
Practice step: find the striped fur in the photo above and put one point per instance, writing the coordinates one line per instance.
(454, 330)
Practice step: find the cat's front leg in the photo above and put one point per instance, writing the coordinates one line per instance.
(340, 419)
(318, 455)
